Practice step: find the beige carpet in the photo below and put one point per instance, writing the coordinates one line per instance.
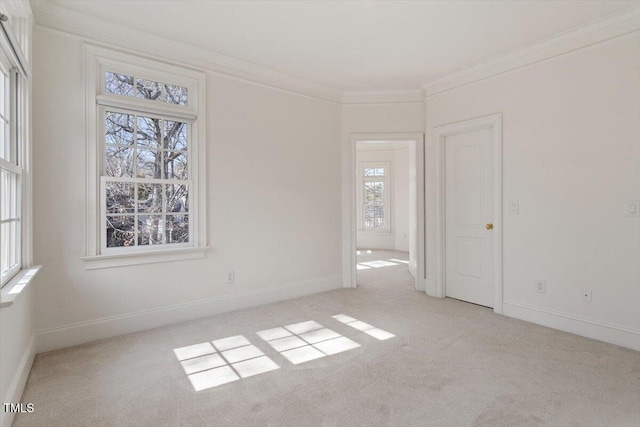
(448, 364)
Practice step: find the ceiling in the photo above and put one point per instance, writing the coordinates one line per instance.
(354, 45)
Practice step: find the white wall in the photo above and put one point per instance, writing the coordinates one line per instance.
(382, 118)
(273, 172)
(570, 157)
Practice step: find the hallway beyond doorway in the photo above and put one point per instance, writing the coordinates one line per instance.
(384, 269)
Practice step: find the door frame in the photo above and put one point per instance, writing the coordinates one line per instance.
(493, 122)
(349, 211)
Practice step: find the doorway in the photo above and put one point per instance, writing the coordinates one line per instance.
(468, 211)
(385, 210)
(383, 219)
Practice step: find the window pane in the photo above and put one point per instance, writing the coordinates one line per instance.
(118, 161)
(150, 230)
(149, 132)
(150, 198)
(175, 94)
(373, 172)
(149, 162)
(120, 197)
(5, 247)
(120, 231)
(120, 84)
(9, 208)
(175, 135)
(14, 235)
(4, 93)
(5, 191)
(177, 229)
(374, 192)
(177, 198)
(148, 89)
(5, 146)
(118, 128)
(176, 165)
(374, 216)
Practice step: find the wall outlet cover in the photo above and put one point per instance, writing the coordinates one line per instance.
(585, 295)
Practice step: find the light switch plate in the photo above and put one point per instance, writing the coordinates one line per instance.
(632, 208)
(514, 207)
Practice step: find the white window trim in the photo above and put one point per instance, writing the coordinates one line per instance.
(387, 196)
(97, 61)
(15, 35)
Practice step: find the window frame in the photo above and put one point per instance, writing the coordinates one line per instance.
(15, 41)
(15, 165)
(102, 110)
(386, 179)
(98, 61)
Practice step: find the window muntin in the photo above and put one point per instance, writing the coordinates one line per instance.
(375, 196)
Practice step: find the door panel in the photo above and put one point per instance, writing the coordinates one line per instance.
(468, 209)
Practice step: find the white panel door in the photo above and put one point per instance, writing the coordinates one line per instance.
(469, 274)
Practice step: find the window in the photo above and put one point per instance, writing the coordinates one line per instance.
(147, 182)
(375, 196)
(11, 173)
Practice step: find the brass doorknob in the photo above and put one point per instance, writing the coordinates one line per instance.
(489, 226)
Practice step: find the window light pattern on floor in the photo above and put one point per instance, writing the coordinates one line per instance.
(306, 341)
(210, 364)
(380, 263)
(368, 329)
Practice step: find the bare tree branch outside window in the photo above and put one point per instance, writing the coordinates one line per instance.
(140, 146)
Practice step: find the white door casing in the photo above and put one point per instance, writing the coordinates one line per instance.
(493, 123)
(349, 211)
(468, 212)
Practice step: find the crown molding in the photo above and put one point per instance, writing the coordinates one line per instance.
(383, 96)
(55, 17)
(612, 26)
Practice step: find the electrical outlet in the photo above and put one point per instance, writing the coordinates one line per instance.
(231, 277)
(541, 286)
(585, 295)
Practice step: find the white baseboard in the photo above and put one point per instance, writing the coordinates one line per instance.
(14, 394)
(602, 331)
(84, 332)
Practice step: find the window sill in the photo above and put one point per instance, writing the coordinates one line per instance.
(151, 257)
(17, 285)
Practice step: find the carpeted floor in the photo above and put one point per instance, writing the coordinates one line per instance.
(395, 357)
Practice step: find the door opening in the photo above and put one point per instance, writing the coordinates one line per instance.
(386, 209)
